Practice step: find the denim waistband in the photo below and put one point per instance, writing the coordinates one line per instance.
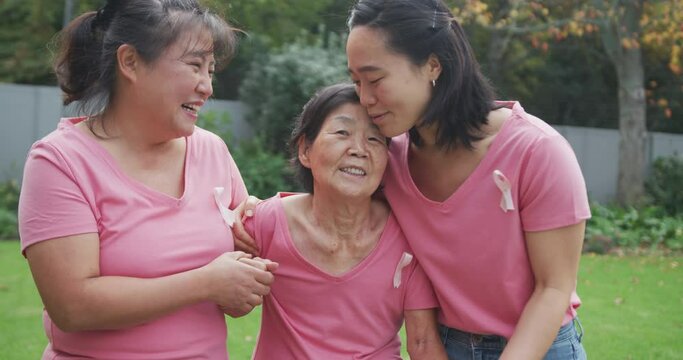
(573, 328)
(452, 334)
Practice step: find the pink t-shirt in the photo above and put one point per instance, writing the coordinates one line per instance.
(73, 186)
(311, 314)
(473, 251)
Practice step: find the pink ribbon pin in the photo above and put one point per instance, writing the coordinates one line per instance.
(503, 185)
(405, 260)
(227, 214)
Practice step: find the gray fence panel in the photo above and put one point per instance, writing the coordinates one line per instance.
(597, 151)
(663, 144)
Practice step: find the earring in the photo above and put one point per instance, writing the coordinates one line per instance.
(433, 83)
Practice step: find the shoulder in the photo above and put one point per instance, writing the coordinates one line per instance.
(208, 146)
(523, 134)
(63, 145)
(294, 205)
(203, 136)
(529, 124)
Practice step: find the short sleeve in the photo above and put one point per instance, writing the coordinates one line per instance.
(263, 226)
(250, 225)
(553, 191)
(51, 203)
(419, 292)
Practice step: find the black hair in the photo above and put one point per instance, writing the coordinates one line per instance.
(308, 124)
(462, 96)
(85, 64)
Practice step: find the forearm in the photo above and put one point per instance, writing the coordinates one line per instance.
(77, 297)
(538, 325)
(422, 335)
(112, 302)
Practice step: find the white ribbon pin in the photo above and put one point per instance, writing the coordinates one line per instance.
(405, 260)
(227, 214)
(503, 185)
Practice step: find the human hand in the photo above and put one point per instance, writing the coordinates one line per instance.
(258, 262)
(237, 283)
(235, 313)
(243, 241)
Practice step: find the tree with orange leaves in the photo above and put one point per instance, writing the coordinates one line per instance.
(625, 27)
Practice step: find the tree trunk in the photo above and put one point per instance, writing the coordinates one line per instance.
(632, 128)
(498, 45)
(620, 36)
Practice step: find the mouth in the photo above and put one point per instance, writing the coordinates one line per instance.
(351, 170)
(191, 108)
(378, 117)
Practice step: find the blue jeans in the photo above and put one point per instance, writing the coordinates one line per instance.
(463, 345)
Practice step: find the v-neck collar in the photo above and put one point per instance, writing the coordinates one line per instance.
(100, 152)
(476, 175)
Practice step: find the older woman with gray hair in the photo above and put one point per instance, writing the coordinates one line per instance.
(346, 278)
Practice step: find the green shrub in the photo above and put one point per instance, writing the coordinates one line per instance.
(9, 195)
(8, 224)
(264, 172)
(219, 123)
(631, 228)
(665, 184)
(9, 201)
(280, 83)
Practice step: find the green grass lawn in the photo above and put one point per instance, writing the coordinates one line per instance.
(632, 309)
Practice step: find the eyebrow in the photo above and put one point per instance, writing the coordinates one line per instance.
(344, 118)
(348, 119)
(365, 69)
(199, 53)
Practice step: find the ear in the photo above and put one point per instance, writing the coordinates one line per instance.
(433, 67)
(303, 152)
(128, 62)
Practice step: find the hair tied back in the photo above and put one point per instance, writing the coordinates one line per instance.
(104, 16)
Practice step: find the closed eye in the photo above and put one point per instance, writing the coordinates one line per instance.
(377, 140)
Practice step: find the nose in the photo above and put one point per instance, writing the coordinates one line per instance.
(358, 147)
(205, 86)
(367, 98)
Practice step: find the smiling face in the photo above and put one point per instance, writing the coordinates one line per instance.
(349, 154)
(176, 86)
(394, 91)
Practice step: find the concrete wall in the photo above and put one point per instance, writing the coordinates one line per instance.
(30, 112)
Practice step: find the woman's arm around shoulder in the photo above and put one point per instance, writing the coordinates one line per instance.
(243, 240)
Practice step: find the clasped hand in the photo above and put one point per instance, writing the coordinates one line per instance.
(238, 282)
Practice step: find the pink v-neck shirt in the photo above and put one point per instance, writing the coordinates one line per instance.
(473, 251)
(311, 314)
(73, 186)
